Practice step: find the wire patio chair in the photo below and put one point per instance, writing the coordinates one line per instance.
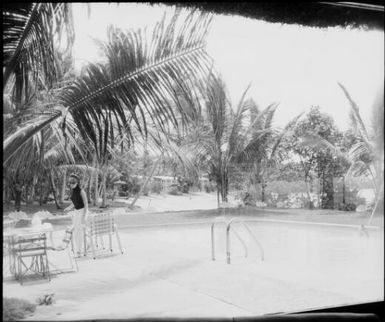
(97, 226)
(66, 245)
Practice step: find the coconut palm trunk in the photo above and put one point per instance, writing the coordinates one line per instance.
(96, 190)
(146, 181)
(89, 186)
(103, 186)
(53, 189)
(63, 187)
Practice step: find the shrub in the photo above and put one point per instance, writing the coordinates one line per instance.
(156, 187)
(347, 206)
(209, 187)
(173, 190)
(184, 184)
(146, 191)
(123, 193)
(16, 309)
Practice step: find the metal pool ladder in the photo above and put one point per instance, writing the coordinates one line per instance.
(228, 227)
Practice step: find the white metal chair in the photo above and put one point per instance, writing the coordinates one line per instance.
(32, 246)
(66, 245)
(97, 226)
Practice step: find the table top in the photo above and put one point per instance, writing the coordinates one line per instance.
(28, 230)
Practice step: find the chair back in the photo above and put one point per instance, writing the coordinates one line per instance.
(67, 237)
(100, 224)
(23, 245)
(9, 223)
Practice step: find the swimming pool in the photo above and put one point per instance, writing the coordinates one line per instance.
(167, 270)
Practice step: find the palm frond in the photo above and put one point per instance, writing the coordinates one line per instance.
(138, 75)
(285, 132)
(236, 135)
(316, 141)
(28, 41)
(136, 79)
(355, 113)
(20, 137)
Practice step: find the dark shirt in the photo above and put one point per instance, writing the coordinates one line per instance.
(76, 198)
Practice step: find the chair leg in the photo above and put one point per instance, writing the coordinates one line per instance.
(20, 271)
(93, 247)
(118, 238)
(47, 267)
(73, 259)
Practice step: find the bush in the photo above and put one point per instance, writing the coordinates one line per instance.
(209, 187)
(174, 190)
(184, 184)
(123, 193)
(146, 191)
(347, 206)
(156, 187)
(16, 309)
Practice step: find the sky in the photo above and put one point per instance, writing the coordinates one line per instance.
(293, 65)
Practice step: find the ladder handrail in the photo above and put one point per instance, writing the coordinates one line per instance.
(216, 220)
(255, 239)
(228, 253)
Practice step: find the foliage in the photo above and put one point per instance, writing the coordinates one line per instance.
(156, 187)
(16, 309)
(31, 33)
(347, 206)
(318, 160)
(131, 188)
(100, 98)
(184, 184)
(209, 187)
(174, 190)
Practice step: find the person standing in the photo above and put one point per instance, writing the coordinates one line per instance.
(80, 212)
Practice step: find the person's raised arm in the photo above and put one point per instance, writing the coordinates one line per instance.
(70, 207)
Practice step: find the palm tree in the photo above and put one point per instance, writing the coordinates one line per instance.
(218, 137)
(264, 151)
(136, 78)
(131, 88)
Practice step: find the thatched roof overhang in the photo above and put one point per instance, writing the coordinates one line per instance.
(368, 15)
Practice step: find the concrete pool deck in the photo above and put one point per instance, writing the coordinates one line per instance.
(167, 271)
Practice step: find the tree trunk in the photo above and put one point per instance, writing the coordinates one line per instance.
(343, 191)
(263, 185)
(224, 186)
(218, 193)
(26, 195)
(63, 187)
(53, 189)
(41, 197)
(146, 181)
(89, 187)
(310, 203)
(96, 194)
(17, 191)
(103, 184)
(33, 188)
(328, 195)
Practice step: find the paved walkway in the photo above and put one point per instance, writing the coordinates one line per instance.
(168, 271)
